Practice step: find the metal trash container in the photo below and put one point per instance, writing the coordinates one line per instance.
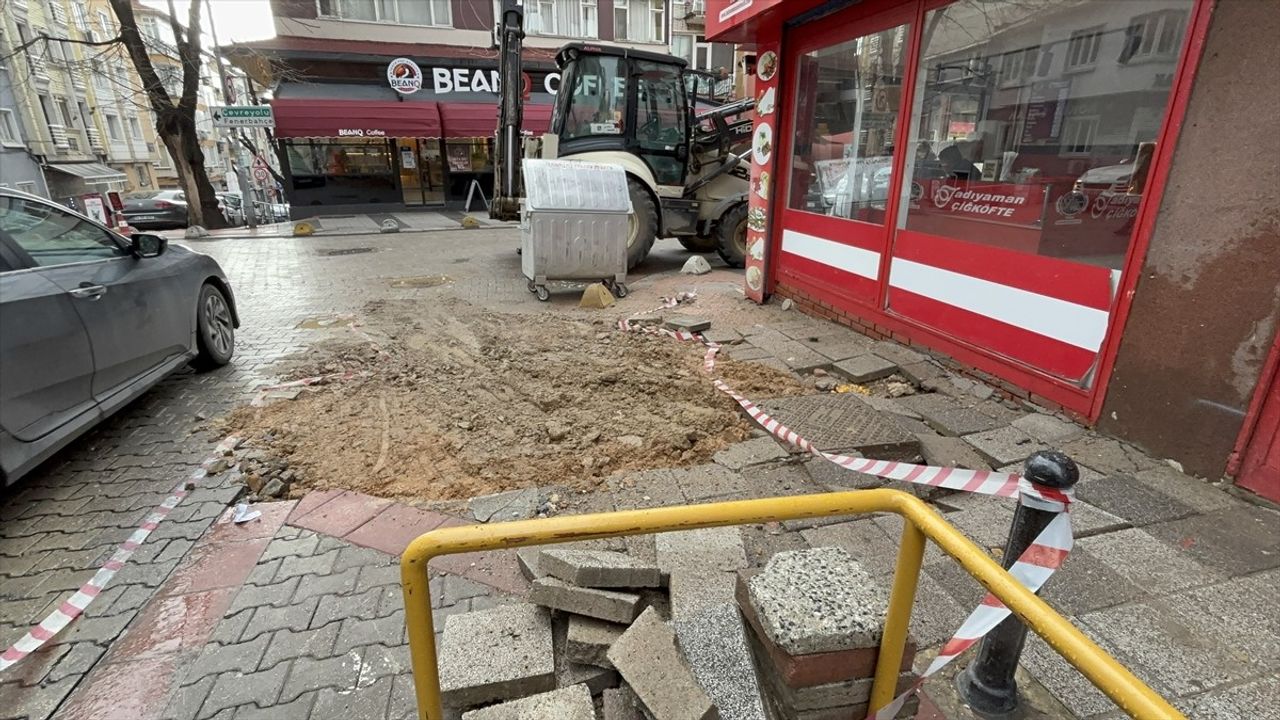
(574, 224)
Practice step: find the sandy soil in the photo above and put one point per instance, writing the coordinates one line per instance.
(456, 401)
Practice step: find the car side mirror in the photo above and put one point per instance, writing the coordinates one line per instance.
(145, 245)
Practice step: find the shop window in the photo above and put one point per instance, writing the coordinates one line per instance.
(1056, 166)
(846, 117)
(334, 171)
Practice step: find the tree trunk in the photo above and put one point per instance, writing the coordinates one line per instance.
(183, 142)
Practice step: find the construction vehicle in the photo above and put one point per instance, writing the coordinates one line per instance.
(688, 171)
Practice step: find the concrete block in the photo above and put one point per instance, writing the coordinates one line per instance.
(496, 654)
(650, 661)
(530, 561)
(693, 590)
(620, 704)
(599, 569)
(505, 506)
(750, 452)
(717, 548)
(864, 368)
(610, 605)
(715, 643)
(570, 703)
(588, 640)
(1004, 445)
(722, 336)
(818, 600)
(947, 415)
(687, 323)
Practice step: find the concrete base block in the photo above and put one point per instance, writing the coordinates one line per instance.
(610, 605)
(649, 659)
(496, 654)
(571, 703)
(589, 640)
(599, 569)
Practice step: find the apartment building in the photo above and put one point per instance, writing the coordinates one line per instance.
(392, 104)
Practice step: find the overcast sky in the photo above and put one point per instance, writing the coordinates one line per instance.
(235, 20)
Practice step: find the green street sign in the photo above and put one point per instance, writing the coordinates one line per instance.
(240, 116)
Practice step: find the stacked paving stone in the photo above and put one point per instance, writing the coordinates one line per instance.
(596, 633)
(814, 621)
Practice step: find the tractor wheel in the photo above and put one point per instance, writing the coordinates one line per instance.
(643, 226)
(731, 237)
(699, 243)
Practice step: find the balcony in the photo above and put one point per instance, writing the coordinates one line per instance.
(95, 140)
(39, 70)
(59, 135)
(77, 78)
(59, 13)
(695, 13)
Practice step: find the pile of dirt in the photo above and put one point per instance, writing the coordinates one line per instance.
(451, 401)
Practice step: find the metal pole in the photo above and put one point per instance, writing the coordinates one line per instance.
(247, 201)
(988, 684)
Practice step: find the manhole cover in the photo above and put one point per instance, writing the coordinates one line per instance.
(346, 251)
(422, 281)
(843, 423)
(319, 322)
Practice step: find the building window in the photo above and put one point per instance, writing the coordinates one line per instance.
(405, 12)
(639, 20)
(590, 19)
(113, 127)
(135, 128)
(162, 161)
(1078, 134)
(1018, 66)
(1157, 34)
(9, 128)
(562, 18)
(682, 47)
(1082, 48)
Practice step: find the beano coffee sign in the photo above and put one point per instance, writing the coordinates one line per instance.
(445, 80)
(404, 76)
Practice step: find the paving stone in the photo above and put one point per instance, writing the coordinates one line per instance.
(715, 644)
(687, 323)
(1157, 567)
(588, 640)
(703, 482)
(1192, 492)
(1048, 429)
(599, 569)
(648, 658)
(306, 565)
(1005, 445)
(1158, 644)
(803, 612)
(951, 452)
(834, 478)
(699, 552)
(570, 703)
(620, 704)
(864, 540)
(947, 416)
(269, 619)
(530, 559)
(1088, 520)
(695, 589)
(745, 353)
(186, 700)
(1084, 583)
(750, 452)
(1136, 502)
(799, 357)
(722, 336)
(863, 369)
(1240, 613)
(388, 630)
(609, 605)
(299, 708)
(1063, 681)
(496, 654)
(240, 657)
(1256, 699)
(233, 688)
(505, 506)
(1106, 455)
(843, 423)
(897, 352)
(341, 672)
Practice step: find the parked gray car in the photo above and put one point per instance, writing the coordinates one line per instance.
(156, 210)
(90, 320)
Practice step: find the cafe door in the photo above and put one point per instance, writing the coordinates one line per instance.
(837, 167)
(421, 171)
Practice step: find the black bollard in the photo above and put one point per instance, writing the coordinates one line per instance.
(988, 684)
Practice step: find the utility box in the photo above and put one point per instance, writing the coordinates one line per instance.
(574, 224)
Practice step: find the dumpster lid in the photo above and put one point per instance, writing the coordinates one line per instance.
(567, 185)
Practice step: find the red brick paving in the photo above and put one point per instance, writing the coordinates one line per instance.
(150, 659)
(311, 501)
(395, 527)
(341, 514)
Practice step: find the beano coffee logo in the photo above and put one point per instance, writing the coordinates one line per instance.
(404, 76)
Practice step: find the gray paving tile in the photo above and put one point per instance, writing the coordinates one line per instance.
(1136, 502)
(1234, 541)
(1157, 567)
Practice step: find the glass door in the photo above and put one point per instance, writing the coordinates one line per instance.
(838, 167)
(410, 175)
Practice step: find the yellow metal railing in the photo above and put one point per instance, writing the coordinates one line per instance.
(1127, 691)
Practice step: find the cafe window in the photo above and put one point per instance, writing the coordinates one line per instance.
(1054, 166)
(470, 155)
(845, 119)
(340, 158)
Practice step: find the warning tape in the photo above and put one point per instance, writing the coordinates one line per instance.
(72, 607)
(1033, 568)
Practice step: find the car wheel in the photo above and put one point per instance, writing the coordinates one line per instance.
(215, 330)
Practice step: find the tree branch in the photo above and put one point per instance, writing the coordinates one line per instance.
(133, 42)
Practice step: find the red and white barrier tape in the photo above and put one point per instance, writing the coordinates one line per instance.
(1033, 568)
(72, 607)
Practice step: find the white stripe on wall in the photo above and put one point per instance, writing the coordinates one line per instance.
(856, 260)
(1067, 322)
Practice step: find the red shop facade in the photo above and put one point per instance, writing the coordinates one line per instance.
(1007, 182)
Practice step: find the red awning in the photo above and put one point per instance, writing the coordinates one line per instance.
(471, 120)
(303, 118)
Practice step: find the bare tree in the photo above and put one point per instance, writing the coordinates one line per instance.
(176, 120)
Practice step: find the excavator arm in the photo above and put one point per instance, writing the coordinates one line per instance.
(508, 185)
